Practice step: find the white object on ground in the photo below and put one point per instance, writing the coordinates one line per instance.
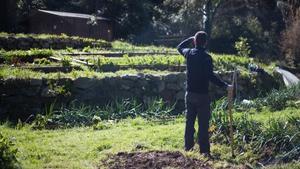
(289, 78)
(247, 102)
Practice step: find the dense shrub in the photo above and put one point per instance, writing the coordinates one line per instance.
(242, 46)
(8, 158)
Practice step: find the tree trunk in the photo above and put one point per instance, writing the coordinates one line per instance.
(208, 19)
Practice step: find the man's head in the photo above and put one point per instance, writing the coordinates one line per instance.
(200, 39)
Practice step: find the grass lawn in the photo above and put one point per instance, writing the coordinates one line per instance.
(84, 147)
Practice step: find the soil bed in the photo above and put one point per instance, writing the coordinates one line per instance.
(153, 160)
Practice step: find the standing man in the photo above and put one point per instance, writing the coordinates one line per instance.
(199, 73)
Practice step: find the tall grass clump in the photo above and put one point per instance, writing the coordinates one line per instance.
(82, 115)
(276, 99)
(278, 139)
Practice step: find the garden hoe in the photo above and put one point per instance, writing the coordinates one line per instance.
(230, 104)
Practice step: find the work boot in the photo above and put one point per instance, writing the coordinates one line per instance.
(208, 156)
(189, 149)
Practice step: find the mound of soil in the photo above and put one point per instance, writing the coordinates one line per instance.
(153, 160)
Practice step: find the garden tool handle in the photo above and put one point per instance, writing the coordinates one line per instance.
(230, 105)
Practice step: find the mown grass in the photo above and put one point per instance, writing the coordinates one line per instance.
(84, 147)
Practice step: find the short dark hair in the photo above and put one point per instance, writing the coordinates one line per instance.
(200, 38)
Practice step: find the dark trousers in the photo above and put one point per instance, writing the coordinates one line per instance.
(197, 105)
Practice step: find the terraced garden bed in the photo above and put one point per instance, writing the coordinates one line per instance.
(78, 99)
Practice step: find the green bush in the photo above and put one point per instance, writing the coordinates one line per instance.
(243, 48)
(8, 154)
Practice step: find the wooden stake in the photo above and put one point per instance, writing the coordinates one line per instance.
(230, 104)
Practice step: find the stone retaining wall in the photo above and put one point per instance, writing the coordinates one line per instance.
(21, 98)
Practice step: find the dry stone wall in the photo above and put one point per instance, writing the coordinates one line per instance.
(23, 97)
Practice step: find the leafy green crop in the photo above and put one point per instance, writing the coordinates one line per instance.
(124, 46)
(221, 62)
(57, 38)
(25, 55)
(230, 62)
(151, 60)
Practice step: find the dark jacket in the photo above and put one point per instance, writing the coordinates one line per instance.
(199, 68)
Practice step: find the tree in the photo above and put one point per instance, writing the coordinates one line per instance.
(288, 8)
(8, 15)
(291, 36)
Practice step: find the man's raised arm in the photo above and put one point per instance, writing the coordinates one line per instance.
(183, 46)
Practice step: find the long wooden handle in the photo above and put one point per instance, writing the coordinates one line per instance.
(230, 104)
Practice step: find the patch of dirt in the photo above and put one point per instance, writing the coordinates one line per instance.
(153, 160)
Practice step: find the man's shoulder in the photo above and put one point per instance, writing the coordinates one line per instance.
(204, 53)
(194, 51)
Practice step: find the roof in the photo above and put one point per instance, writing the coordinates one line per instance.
(71, 15)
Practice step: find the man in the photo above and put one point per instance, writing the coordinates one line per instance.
(199, 73)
